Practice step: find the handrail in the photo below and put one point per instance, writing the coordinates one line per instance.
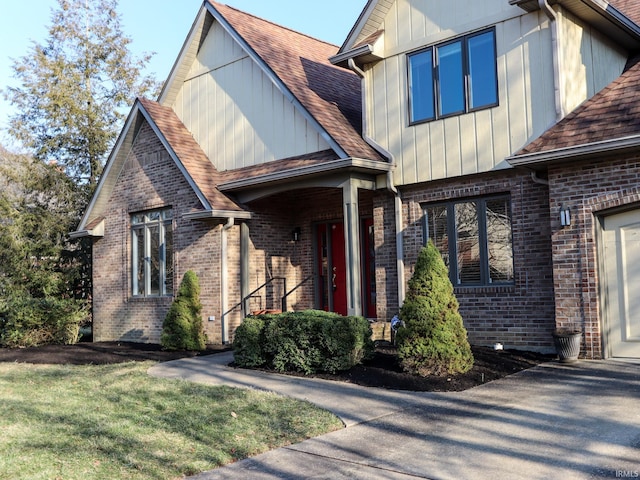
(286, 295)
(242, 302)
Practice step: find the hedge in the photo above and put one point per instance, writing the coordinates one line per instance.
(309, 341)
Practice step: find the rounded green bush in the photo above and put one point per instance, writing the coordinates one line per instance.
(247, 343)
(308, 341)
(433, 340)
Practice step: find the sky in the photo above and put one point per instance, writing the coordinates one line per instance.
(161, 26)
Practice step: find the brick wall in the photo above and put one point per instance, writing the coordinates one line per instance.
(149, 180)
(519, 315)
(591, 190)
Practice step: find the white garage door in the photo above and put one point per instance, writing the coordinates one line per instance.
(622, 283)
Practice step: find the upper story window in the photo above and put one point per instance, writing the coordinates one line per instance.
(452, 78)
(474, 238)
(152, 253)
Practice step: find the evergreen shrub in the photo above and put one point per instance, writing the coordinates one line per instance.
(307, 341)
(30, 322)
(433, 340)
(182, 328)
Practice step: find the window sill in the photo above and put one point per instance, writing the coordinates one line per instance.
(468, 289)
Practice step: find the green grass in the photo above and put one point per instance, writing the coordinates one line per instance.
(115, 422)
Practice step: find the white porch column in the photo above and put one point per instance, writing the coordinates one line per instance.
(352, 246)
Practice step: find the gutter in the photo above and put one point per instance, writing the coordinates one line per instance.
(584, 151)
(390, 187)
(217, 214)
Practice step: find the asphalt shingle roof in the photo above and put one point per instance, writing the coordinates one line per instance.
(331, 94)
(201, 170)
(630, 8)
(611, 114)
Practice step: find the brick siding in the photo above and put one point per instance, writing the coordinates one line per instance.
(519, 315)
(591, 190)
(149, 180)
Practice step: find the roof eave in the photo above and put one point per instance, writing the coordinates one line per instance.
(599, 13)
(95, 232)
(363, 54)
(354, 164)
(217, 215)
(541, 160)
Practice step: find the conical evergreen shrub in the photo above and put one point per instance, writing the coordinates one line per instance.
(433, 340)
(182, 328)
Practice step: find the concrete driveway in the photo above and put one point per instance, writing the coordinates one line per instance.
(554, 421)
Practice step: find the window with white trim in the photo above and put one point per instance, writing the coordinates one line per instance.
(452, 78)
(152, 253)
(474, 238)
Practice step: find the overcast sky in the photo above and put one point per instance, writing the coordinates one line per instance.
(161, 26)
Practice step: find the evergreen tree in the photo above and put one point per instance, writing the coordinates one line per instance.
(433, 340)
(182, 328)
(38, 208)
(75, 88)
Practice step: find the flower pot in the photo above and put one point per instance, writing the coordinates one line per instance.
(567, 345)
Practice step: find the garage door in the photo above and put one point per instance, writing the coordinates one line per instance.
(621, 268)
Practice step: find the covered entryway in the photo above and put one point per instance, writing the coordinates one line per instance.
(331, 286)
(621, 276)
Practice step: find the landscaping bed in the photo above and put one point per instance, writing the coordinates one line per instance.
(381, 371)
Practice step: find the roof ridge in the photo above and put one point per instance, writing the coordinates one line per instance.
(283, 27)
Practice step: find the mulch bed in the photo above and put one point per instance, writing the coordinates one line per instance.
(98, 353)
(382, 371)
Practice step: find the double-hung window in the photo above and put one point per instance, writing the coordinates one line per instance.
(474, 239)
(152, 253)
(456, 77)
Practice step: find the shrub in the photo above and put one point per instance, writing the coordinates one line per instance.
(28, 322)
(247, 343)
(433, 340)
(309, 341)
(182, 328)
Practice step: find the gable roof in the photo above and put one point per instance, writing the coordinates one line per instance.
(182, 148)
(196, 165)
(373, 15)
(608, 120)
(330, 97)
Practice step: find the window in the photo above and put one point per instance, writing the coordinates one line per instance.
(152, 253)
(474, 239)
(453, 78)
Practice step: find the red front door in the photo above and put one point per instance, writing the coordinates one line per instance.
(332, 285)
(331, 268)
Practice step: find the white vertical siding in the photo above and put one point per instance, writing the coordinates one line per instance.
(480, 141)
(236, 113)
(589, 60)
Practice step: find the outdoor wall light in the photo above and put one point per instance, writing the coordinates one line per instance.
(295, 235)
(565, 216)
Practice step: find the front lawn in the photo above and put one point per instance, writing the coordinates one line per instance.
(115, 422)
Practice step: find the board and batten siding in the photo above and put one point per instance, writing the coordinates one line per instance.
(480, 141)
(236, 113)
(590, 60)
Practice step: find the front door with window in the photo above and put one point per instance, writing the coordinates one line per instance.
(621, 274)
(332, 278)
(332, 284)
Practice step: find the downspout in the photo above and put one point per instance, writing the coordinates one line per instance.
(538, 180)
(390, 187)
(555, 52)
(224, 279)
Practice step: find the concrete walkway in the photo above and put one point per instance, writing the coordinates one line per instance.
(554, 421)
